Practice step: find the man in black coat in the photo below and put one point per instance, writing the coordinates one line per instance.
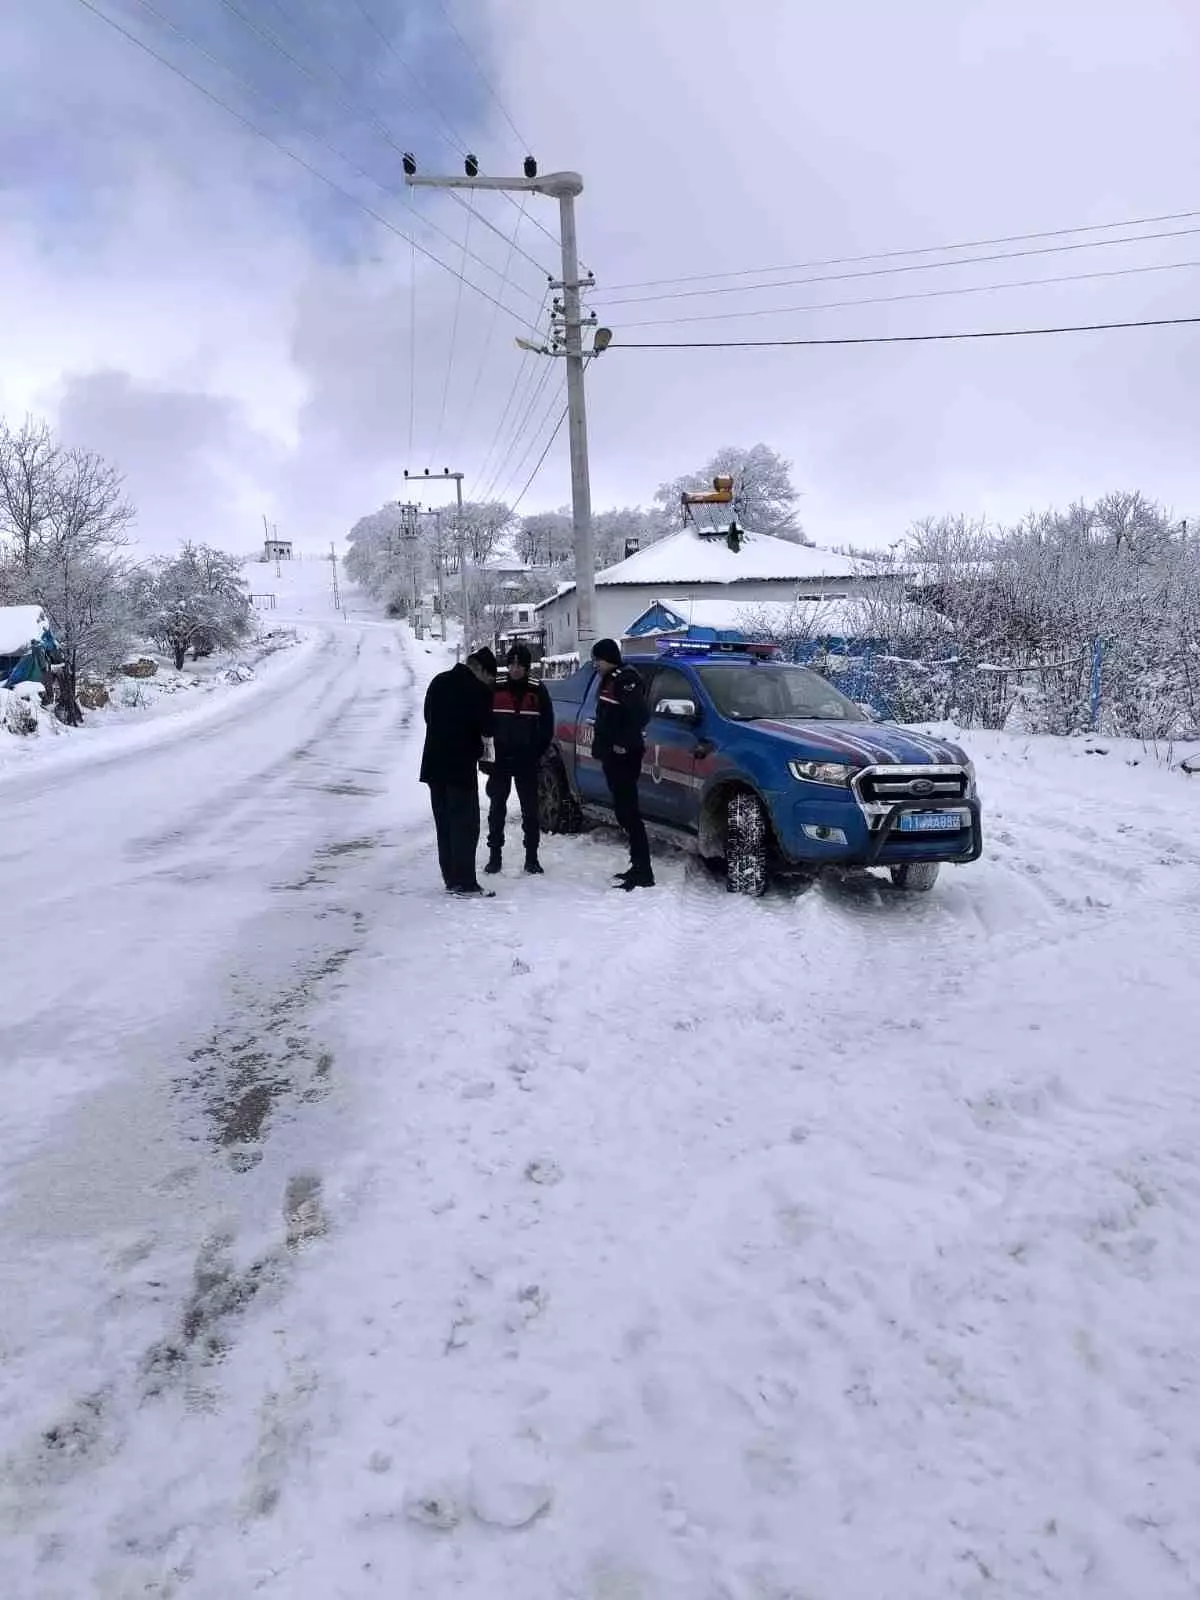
(458, 736)
(619, 746)
(524, 726)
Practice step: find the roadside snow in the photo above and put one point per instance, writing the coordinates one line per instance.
(675, 1247)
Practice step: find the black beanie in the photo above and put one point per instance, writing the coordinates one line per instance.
(485, 659)
(519, 655)
(607, 650)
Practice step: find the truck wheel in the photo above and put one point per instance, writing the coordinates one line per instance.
(558, 809)
(916, 877)
(746, 845)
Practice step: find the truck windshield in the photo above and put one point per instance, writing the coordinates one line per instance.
(788, 694)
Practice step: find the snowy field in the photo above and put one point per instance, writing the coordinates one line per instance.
(583, 1246)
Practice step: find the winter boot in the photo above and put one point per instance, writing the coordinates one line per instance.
(532, 865)
(638, 878)
(494, 861)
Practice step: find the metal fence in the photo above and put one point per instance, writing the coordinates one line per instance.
(1096, 688)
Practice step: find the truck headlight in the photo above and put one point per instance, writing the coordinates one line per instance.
(833, 772)
(972, 786)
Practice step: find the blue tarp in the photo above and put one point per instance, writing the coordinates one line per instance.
(34, 666)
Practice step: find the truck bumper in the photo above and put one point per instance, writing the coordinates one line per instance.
(837, 834)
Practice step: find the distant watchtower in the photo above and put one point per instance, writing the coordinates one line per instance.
(277, 550)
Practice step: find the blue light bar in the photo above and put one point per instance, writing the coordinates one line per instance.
(701, 650)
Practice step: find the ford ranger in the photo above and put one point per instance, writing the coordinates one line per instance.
(770, 768)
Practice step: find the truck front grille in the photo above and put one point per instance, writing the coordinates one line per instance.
(884, 786)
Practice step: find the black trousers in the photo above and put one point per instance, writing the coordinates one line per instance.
(621, 773)
(456, 818)
(499, 787)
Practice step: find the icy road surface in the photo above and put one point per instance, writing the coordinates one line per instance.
(578, 1246)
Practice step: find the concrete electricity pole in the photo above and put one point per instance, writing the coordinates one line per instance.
(462, 551)
(563, 187)
(337, 599)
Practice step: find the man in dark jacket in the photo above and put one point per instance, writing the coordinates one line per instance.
(619, 746)
(523, 717)
(458, 736)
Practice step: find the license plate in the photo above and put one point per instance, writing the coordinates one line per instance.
(930, 821)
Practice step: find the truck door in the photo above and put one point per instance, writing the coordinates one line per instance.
(667, 790)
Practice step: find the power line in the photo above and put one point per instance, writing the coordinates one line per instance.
(483, 77)
(273, 40)
(906, 338)
(450, 137)
(299, 160)
(487, 343)
(924, 250)
(453, 140)
(332, 149)
(919, 266)
(412, 351)
(453, 342)
(515, 473)
(536, 390)
(540, 460)
(522, 380)
(922, 294)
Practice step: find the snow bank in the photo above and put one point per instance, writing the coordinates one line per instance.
(145, 710)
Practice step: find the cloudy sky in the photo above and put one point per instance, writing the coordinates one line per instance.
(237, 333)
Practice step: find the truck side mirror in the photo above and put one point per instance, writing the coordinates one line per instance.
(678, 710)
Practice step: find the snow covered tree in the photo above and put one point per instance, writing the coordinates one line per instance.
(71, 565)
(29, 469)
(544, 538)
(764, 497)
(484, 525)
(196, 600)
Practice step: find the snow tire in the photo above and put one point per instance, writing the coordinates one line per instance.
(746, 843)
(558, 809)
(915, 877)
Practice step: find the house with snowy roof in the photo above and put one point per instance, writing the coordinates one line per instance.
(20, 628)
(696, 566)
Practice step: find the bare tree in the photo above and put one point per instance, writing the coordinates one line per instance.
(29, 476)
(75, 573)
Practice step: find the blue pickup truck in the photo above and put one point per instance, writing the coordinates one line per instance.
(770, 768)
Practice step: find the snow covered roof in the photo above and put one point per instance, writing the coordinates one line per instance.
(815, 616)
(730, 613)
(687, 557)
(19, 627)
(563, 588)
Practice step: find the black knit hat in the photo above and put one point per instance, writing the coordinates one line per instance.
(484, 659)
(607, 650)
(519, 655)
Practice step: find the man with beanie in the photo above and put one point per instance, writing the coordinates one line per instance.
(619, 746)
(523, 720)
(458, 736)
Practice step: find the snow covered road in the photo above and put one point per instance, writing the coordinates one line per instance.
(578, 1246)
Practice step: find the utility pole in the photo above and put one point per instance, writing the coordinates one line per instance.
(461, 541)
(563, 187)
(337, 599)
(439, 557)
(410, 535)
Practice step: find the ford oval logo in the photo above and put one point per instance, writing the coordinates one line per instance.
(921, 786)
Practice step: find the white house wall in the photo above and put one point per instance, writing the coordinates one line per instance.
(619, 605)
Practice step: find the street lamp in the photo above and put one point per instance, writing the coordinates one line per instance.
(563, 187)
